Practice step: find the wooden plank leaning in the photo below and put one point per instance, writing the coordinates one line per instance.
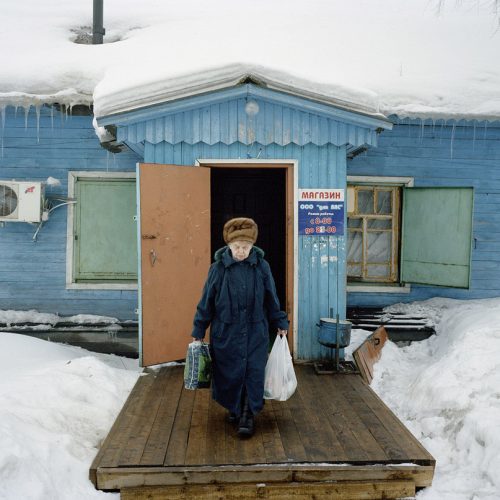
(369, 352)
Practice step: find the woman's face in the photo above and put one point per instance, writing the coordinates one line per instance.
(240, 249)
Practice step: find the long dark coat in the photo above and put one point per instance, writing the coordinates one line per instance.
(239, 300)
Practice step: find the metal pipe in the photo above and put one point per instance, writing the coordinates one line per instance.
(98, 30)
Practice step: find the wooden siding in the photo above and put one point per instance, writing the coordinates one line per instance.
(444, 154)
(317, 167)
(33, 275)
(228, 123)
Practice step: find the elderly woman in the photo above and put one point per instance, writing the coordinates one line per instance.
(239, 301)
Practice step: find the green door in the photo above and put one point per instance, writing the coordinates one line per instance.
(437, 236)
(105, 246)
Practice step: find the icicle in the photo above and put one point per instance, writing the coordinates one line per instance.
(422, 129)
(3, 111)
(485, 129)
(474, 135)
(26, 113)
(15, 111)
(452, 139)
(37, 111)
(52, 116)
(441, 132)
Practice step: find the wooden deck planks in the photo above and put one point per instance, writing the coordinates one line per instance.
(144, 417)
(271, 437)
(216, 435)
(373, 422)
(177, 445)
(331, 419)
(356, 439)
(115, 442)
(409, 445)
(292, 445)
(170, 387)
(326, 429)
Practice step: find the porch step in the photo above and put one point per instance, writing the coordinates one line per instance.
(399, 327)
(341, 490)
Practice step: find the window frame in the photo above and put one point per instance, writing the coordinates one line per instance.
(378, 286)
(71, 284)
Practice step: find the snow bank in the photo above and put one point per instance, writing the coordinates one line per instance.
(447, 391)
(419, 58)
(9, 316)
(57, 403)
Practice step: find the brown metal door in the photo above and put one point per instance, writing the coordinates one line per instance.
(175, 256)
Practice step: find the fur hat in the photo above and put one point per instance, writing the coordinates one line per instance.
(240, 228)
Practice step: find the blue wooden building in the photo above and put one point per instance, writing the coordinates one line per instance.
(420, 212)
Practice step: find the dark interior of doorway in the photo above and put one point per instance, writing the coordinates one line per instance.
(259, 193)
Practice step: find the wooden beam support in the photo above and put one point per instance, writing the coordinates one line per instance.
(125, 477)
(359, 490)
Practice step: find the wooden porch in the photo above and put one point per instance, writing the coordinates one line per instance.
(333, 439)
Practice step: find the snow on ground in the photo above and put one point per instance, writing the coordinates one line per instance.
(446, 390)
(426, 58)
(9, 317)
(57, 404)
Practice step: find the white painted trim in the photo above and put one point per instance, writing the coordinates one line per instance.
(72, 178)
(139, 257)
(101, 286)
(295, 168)
(382, 180)
(378, 289)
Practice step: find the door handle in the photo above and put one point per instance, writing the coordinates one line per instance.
(152, 256)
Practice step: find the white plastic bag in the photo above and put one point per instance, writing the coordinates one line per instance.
(280, 381)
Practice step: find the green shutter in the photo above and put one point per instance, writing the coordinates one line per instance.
(437, 235)
(105, 240)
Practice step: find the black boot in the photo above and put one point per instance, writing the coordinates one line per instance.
(246, 425)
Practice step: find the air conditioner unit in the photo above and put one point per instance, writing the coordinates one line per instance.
(21, 201)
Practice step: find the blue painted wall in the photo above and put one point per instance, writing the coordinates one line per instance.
(33, 275)
(319, 166)
(287, 129)
(444, 154)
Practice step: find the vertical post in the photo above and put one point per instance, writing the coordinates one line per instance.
(98, 30)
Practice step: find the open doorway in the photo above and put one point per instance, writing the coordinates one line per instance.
(259, 193)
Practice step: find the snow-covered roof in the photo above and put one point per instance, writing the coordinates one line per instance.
(418, 58)
(213, 79)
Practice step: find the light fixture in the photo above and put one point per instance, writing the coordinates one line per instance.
(251, 108)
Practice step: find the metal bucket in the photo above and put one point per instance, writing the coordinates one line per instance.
(327, 335)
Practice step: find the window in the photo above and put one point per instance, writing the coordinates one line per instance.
(399, 234)
(373, 229)
(102, 233)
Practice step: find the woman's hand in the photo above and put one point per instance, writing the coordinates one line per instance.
(282, 333)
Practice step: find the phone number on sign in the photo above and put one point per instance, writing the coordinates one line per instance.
(320, 230)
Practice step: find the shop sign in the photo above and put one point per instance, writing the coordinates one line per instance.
(321, 212)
